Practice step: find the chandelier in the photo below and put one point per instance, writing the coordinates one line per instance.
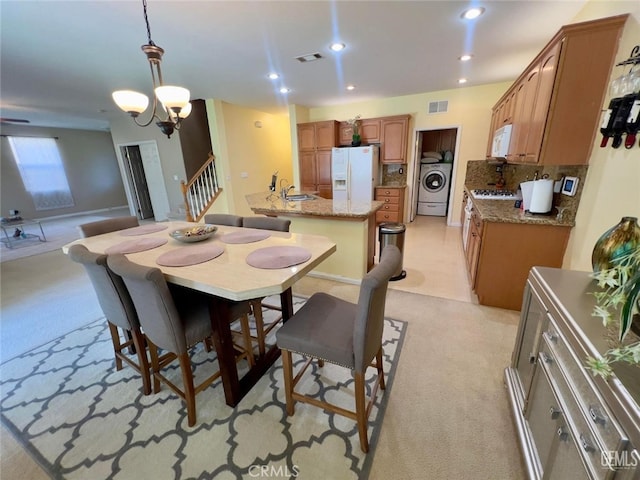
(174, 101)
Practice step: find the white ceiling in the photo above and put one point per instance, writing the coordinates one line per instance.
(60, 60)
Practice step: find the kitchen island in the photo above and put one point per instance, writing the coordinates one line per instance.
(351, 225)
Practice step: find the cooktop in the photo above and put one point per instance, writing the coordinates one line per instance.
(496, 194)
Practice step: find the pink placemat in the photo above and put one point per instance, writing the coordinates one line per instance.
(278, 257)
(182, 257)
(143, 230)
(248, 236)
(137, 245)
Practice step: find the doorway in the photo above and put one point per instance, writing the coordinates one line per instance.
(434, 172)
(137, 181)
(144, 180)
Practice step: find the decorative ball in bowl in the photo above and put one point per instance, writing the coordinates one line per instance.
(194, 234)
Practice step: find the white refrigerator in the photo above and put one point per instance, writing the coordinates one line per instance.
(354, 173)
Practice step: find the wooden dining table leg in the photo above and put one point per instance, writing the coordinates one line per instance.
(219, 314)
(286, 299)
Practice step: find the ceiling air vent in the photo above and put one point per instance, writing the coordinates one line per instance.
(309, 57)
(439, 107)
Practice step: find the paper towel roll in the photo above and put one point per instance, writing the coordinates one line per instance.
(527, 190)
(542, 196)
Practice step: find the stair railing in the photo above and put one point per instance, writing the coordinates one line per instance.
(201, 191)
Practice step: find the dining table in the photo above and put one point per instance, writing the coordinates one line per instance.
(248, 264)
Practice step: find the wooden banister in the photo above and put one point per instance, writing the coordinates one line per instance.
(201, 190)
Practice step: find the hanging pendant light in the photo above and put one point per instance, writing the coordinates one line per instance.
(174, 101)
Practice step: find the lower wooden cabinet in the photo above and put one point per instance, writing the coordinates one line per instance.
(501, 255)
(393, 208)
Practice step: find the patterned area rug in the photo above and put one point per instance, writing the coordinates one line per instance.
(81, 419)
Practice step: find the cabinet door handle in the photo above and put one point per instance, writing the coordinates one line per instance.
(554, 412)
(586, 444)
(546, 358)
(597, 416)
(562, 434)
(532, 358)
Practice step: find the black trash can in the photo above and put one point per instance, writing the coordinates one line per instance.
(393, 234)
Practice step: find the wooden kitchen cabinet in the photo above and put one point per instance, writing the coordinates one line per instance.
(473, 247)
(393, 208)
(393, 142)
(369, 129)
(439, 140)
(559, 97)
(315, 141)
(505, 254)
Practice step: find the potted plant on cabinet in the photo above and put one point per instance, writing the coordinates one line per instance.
(618, 304)
(355, 136)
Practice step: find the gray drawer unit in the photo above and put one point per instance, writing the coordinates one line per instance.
(570, 424)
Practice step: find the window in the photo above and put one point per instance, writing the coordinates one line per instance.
(42, 172)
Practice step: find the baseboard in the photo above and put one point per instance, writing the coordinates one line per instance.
(335, 278)
(75, 214)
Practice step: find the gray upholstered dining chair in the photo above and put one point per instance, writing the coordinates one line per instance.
(118, 308)
(223, 219)
(350, 335)
(267, 223)
(108, 225)
(173, 319)
(278, 225)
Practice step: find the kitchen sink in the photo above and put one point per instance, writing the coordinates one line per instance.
(301, 197)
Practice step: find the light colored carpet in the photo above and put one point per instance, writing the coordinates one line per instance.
(447, 415)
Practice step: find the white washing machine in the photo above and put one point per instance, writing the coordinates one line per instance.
(433, 194)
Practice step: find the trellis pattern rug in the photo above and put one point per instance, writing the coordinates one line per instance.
(81, 419)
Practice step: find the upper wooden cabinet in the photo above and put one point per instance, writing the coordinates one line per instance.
(388, 132)
(393, 145)
(369, 129)
(555, 105)
(315, 141)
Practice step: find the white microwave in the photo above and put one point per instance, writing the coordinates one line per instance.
(501, 139)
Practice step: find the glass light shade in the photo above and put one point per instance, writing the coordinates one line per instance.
(186, 110)
(173, 97)
(131, 101)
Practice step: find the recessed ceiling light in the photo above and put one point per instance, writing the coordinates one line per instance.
(351, 87)
(465, 58)
(462, 80)
(336, 47)
(472, 13)
(274, 76)
(285, 90)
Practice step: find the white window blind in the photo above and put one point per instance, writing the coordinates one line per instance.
(42, 171)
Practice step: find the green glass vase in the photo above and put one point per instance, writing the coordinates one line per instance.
(618, 240)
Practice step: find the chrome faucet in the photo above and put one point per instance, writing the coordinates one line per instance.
(284, 190)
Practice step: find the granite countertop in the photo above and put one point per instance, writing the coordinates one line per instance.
(268, 203)
(392, 185)
(504, 211)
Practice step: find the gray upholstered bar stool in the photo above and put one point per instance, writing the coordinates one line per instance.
(223, 219)
(267, 223)
(108, 225)
(174, 320)
(118, 308)
(278, 225)
(350, 335)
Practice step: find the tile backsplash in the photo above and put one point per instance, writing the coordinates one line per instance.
(483, 174)
(390, 174)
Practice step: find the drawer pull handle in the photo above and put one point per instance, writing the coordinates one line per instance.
(554, 412)
(597, 416)
(562, 434)
(586, 444)
(552, 336)
(546, 358)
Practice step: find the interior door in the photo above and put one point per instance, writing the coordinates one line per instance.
(138, 181)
